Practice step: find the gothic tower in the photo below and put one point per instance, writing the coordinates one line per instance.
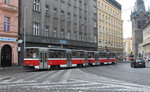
(138, 18)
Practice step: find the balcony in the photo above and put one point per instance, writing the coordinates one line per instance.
(8, 30)
(11, 6)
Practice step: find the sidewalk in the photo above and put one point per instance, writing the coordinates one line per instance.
(11, 70)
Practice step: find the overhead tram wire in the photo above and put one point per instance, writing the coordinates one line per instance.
(130, 8)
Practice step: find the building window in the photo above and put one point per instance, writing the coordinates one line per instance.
(80, 36)
(6, 23)
(46, 10)
(62, 33)
(75, 2)
(139, 25)
(55, 32)
(63, 1)
(69, 17)
(46, 31)
(55, 12)
(85, 37)
(74, 35)
(69, 35)
(62, 13)
(36, 29)
(69, 2)
(36, 5)
(6, 1)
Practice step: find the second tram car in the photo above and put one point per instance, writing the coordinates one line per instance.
(46, 58)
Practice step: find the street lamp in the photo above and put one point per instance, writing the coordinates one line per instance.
(22, 40)
(24, 36)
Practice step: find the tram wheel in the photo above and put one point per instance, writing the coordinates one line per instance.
(101, 63)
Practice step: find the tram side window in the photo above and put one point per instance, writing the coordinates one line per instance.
(112, 55)
(102, 55)
(57, 54)
(78, 54)
(32, 53)
(74, 55)
(91, 55)
(81, 54)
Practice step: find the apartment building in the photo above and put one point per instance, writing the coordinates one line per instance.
(110, 29)
(8, 33)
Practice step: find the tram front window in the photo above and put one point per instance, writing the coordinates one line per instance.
(32, 53)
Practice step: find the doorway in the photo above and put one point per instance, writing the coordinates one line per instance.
(6, 56)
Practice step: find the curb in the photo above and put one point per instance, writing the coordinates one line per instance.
(10, 68)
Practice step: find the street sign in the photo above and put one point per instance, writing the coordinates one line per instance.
(63, 42)
(8, 39)
(20, 41)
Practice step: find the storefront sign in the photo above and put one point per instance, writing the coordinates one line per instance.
(7, 39)
(63, 42)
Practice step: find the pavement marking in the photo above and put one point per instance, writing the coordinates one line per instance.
(44, 75)
(56, 74)
(66, 76)
(75, 79)
(34, 75)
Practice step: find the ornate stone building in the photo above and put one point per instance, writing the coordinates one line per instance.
(138, 17)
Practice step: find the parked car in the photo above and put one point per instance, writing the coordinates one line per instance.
(139, 62)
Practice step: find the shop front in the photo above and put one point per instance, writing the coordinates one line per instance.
(8, 52)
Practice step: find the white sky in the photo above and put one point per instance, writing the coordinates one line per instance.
(127, 5)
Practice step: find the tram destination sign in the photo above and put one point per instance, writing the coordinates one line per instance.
(7, 39)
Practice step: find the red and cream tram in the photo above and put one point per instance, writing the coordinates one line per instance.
(103, 58)
(45, 58)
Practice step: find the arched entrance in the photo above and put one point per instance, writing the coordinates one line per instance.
(6, 56)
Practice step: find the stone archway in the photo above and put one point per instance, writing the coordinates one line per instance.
(6, 56)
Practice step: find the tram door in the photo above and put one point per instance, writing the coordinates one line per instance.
(69, 60)
(96, 58)
(108, 57)
(43, 59)
(86, 58)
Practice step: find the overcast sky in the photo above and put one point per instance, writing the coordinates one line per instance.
(127, 5)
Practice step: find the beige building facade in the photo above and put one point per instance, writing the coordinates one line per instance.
(127, 46)
(110, 30)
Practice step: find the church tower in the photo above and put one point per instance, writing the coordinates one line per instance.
(138, 17)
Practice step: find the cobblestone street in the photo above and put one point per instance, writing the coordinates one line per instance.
(119, 77)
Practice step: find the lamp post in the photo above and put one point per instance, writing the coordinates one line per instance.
(22, 40)
(24, 36)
